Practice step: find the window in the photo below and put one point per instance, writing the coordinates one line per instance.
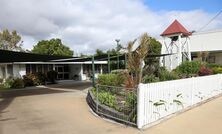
(28, 68)
(33, 68)
(211, 59)
(39, 68)
(10, 70)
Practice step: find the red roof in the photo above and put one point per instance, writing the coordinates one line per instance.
(175, 28)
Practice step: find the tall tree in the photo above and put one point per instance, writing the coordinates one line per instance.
(52, 47)
(99, 52)
(10, 41)
(152, 63)
(135, 60)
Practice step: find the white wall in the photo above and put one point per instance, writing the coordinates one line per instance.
(19, 70)
(206, 41)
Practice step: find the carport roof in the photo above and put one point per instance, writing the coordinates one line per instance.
(11, 57)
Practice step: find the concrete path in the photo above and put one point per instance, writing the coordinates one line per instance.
(66, 112)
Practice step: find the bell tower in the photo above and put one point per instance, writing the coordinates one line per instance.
(176, 43)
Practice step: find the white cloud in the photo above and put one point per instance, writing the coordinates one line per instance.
(87, 25)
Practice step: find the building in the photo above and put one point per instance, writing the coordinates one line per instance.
(183, 45)
(17, 64)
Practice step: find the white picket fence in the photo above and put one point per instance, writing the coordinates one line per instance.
(158, 100)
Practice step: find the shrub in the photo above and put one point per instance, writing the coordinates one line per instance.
(41, 78)
(188, 68)
(212, 65)
(111, 79)
(8, 82)
(13, 83)
(150, 78)
(217, 70)
(205, 71)
(30, 80)
(165, 75)
(52, 76)
(1, 80)
(17, 83)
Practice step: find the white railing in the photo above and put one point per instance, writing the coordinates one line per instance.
(158, 100)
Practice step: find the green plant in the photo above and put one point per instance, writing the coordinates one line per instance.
(52, 75)
(17, 83)
(165, 75)
(111, 79)
(150, 78)
(188, 67)
(1, 80)
(131, 99)
(107, 99)
(41, 78)
(217, 70)
(8, 82)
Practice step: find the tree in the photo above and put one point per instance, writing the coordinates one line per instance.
(10, 41)
(52, 47)
(152, 63)
(135, 60)
(99, 52)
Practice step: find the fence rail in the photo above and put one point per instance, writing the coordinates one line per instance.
(157, 100)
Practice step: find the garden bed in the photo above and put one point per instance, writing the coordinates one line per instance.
(110, 113)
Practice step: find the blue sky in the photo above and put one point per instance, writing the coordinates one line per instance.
(206, 5)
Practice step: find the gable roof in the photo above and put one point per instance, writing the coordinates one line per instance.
(176, 28)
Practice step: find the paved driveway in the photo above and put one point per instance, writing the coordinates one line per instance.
(58, 111)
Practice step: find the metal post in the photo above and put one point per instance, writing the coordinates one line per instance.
(97, 100)
(125, 61)
(93, 72)
(108, 63)
(117, 60)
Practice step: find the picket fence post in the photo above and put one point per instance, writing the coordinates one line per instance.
(140, 106)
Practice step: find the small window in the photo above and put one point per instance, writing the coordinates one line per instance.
(211, 59)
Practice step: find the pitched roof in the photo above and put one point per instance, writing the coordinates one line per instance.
(176, 28)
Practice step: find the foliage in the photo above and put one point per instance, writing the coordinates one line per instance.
(34, 79)
(107, 99)
(152, 63)
(10, 41)
(8, 82)
(99, 52)
(29, 79)
(52, 47)
(131, 99)
(18, 83)
(1, 80)
(217, 70)
(212, 65)
(205, 71)
(165, 75)
(188, 67)
(111, 79)
(135, 58)
(13, 83)
(150, 78)
(52, 76)
(41, 78)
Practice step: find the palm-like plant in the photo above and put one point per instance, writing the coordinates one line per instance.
(135, 60)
